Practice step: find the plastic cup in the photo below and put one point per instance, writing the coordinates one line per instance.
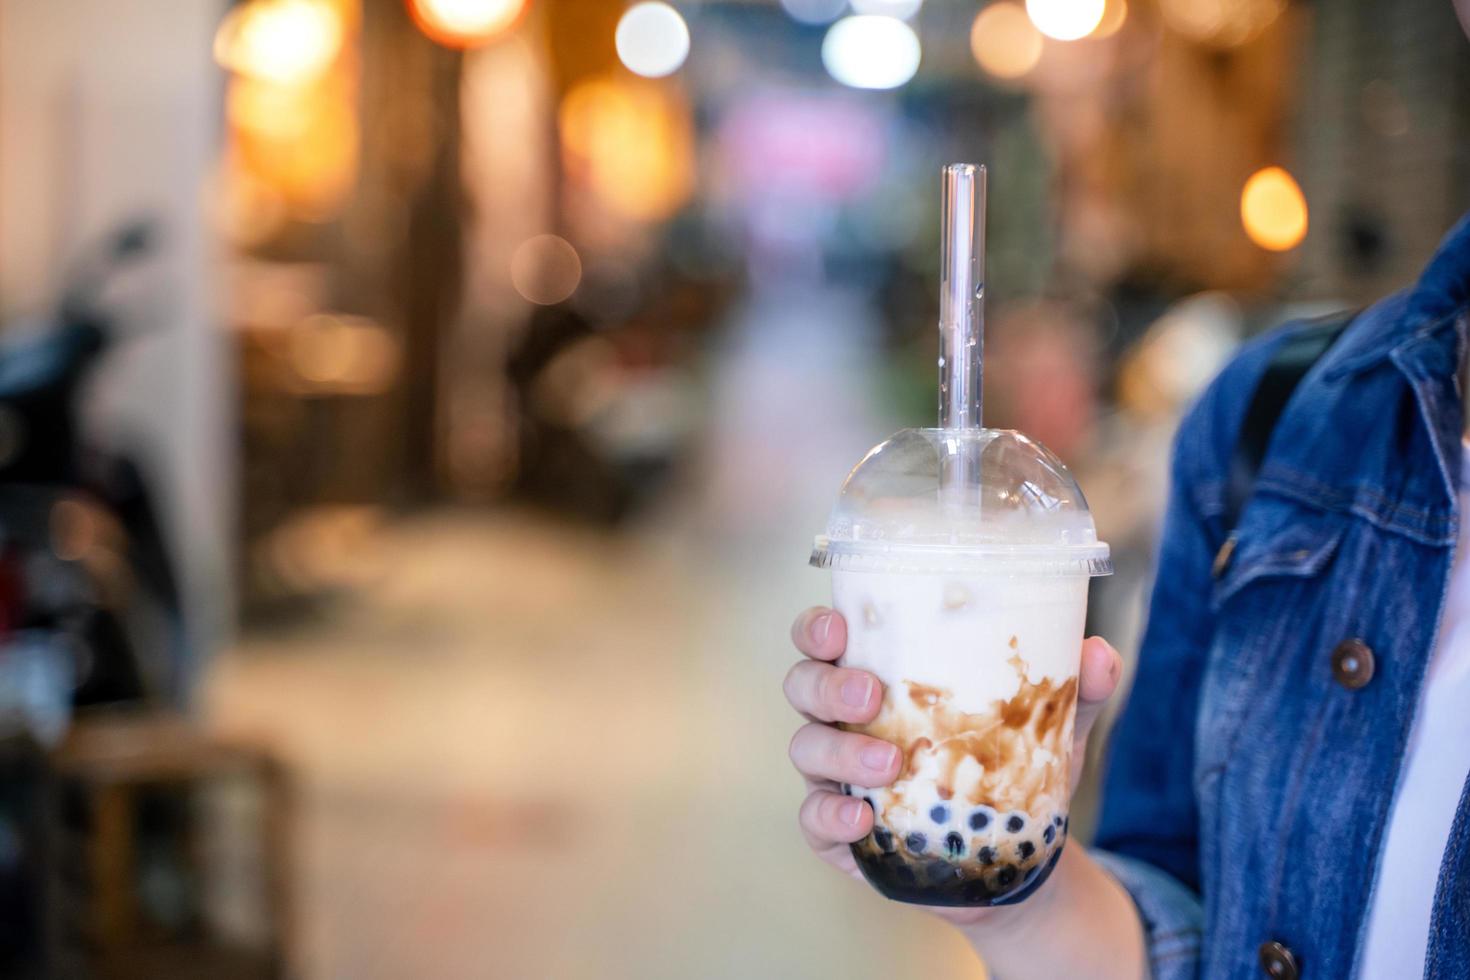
(970, 611)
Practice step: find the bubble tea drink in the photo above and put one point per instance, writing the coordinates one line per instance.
(960, 558)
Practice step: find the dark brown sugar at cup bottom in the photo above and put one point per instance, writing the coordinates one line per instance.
(974, 873)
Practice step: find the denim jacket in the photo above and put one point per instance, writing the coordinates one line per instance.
(1251, 774)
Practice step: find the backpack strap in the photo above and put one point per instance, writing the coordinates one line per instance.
(1290, 363)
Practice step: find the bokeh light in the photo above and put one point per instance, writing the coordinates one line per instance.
(1004, 41)
(1220, 23)
(871, 52)
(1065, 20)
(814, 11)
(631, 142)
(285, 42)
(343, 354)
(902, 9)
(1273, 210)
(652, 39)
(545, 269)
(465, 23)
(1115, 14)
(300, 142)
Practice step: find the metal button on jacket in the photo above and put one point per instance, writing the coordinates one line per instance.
(1277, 961)
(1352, 664)
(1222, 557)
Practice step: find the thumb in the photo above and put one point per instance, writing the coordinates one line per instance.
(1097, 679)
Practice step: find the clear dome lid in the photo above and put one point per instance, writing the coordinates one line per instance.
(961, 500)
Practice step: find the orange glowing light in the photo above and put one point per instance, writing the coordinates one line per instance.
(1114, 15)
(465, 23)
(344, 354)
(1004, 41)
(631, 142)
(301, 142)
(287, 42)
(1065, 20)
(1273, 210)
(1221, 23)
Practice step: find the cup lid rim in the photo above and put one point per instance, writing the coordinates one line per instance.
(1091, 558)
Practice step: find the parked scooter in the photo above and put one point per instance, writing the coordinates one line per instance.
(89, 604)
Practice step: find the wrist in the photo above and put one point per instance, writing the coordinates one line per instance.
(1018, 924)
(1080, 922)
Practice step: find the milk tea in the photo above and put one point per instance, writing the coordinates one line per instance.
(979, 672)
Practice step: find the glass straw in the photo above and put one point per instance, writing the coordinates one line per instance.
(961, 315)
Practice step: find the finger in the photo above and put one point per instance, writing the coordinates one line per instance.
(822, 752)
(1096, 681)
(831, 818)
(820, 633)
(829, 693)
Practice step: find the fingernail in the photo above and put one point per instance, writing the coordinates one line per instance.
(851, 812)
(821, 626)
(857, 690)
(879, 757)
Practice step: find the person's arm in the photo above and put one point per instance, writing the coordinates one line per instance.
(1082, 923)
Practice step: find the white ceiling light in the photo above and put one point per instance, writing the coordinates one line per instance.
(652, 39)
(871, 52)
(814, 11)
(902, 9)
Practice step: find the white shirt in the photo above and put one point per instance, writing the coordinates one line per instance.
(1436, 764)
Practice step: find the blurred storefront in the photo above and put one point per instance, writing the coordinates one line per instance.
(501, 356)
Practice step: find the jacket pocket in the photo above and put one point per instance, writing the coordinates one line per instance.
(1296, 549)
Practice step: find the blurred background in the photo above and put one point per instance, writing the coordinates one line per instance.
(414, 416)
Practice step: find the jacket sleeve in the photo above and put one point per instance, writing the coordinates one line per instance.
(1148, 828)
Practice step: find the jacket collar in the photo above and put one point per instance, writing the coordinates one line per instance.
(1417, 316)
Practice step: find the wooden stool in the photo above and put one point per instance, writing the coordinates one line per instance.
(110, 758)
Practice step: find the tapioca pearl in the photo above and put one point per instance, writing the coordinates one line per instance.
(884, 839)
(1066, 823)
(916, 842)
(846, 789)
(975, 891)
(1057, 820)
(939, 814)
(985, 855)
(1006, 875)
(941, 872)
(981, 818)
(1016, 822)
(1025, 849)
(954, 845)
(1049, 834)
